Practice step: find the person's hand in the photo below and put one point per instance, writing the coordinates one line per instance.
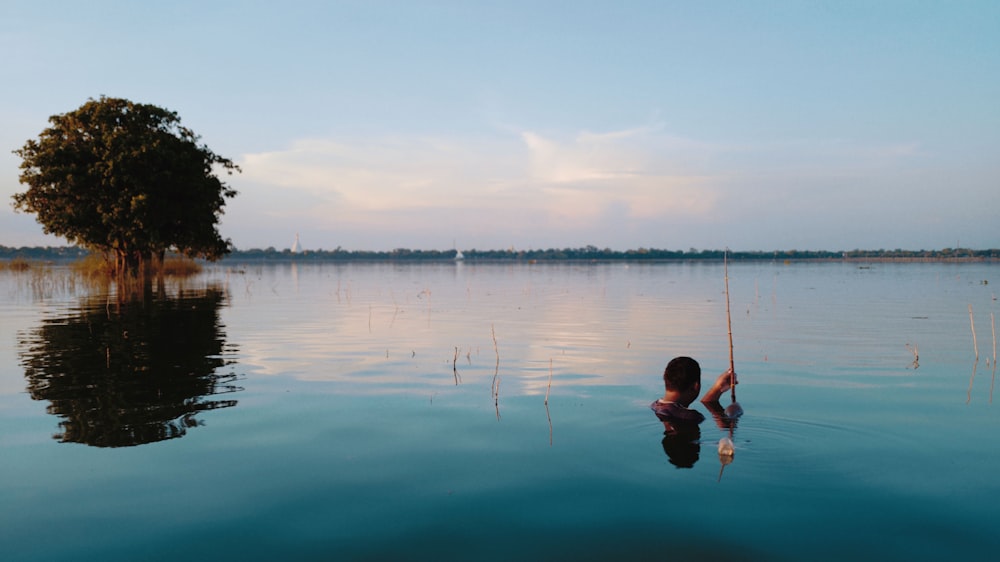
(725, 381)
(720, 386)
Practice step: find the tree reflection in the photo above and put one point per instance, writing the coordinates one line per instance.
(131, 373)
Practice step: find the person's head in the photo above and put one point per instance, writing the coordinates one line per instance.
(682, 377)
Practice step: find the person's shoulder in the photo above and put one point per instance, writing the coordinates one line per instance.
(672, 411)
(661, 406)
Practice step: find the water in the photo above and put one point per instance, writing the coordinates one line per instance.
(343, 412)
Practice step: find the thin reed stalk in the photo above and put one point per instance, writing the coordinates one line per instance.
(549, 417)
(496, 373)
(972, 379)
(496, 349)
(993, 324)
(916, 356)
(549, 387)
(993, 379)
(972, 322)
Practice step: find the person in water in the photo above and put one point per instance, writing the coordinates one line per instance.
(681, 429)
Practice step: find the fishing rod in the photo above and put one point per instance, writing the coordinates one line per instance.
(729, 326)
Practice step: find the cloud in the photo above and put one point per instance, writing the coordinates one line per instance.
(589, 158)
(625, 188)
(367, 181)
(384, 174)
(631, 187)
(639, 170)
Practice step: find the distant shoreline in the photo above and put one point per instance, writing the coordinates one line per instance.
(588, 254)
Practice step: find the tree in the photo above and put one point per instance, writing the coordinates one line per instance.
(128, 180)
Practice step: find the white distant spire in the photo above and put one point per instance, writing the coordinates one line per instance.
(295, 247)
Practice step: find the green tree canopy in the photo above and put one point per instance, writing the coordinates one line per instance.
(128, 180)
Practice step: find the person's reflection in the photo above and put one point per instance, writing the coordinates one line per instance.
(681, 424)
(134, 373)
(681, 442)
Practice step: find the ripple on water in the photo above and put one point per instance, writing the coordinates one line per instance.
(789, 453)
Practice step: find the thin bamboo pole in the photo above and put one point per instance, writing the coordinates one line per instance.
(729, 326)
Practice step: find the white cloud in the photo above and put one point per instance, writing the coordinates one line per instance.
(587, 159)
(384, 181)
(534, 189)
(640, 169)
(383, 174)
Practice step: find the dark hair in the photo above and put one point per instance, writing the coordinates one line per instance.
(681, 374)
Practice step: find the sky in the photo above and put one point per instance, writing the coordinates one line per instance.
(375, 125)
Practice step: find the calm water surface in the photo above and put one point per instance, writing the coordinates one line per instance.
(345, 412)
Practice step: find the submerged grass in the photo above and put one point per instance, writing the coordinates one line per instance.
(44, 279)
(19, 264)
(39, 277)
(180, 266)
(96, 266)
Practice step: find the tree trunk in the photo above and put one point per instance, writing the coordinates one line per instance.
(120, 264)
(129, 263)
(156, 262)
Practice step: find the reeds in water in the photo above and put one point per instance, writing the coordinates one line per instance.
(916, 356)
(993, 324)
(180, 267)
(454, 367)
(98, 266)
(496, 372)
(549, 387)
(975, 363)
(17, 264)
(993, 380)
(975, 344)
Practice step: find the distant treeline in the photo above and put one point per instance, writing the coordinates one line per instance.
(44, 253)
(587, 253)
(593, 253)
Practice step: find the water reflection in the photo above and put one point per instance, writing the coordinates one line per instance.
(682, 443)
(682, 435)
(128, 374)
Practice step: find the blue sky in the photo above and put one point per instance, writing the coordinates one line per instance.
(408, 124)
